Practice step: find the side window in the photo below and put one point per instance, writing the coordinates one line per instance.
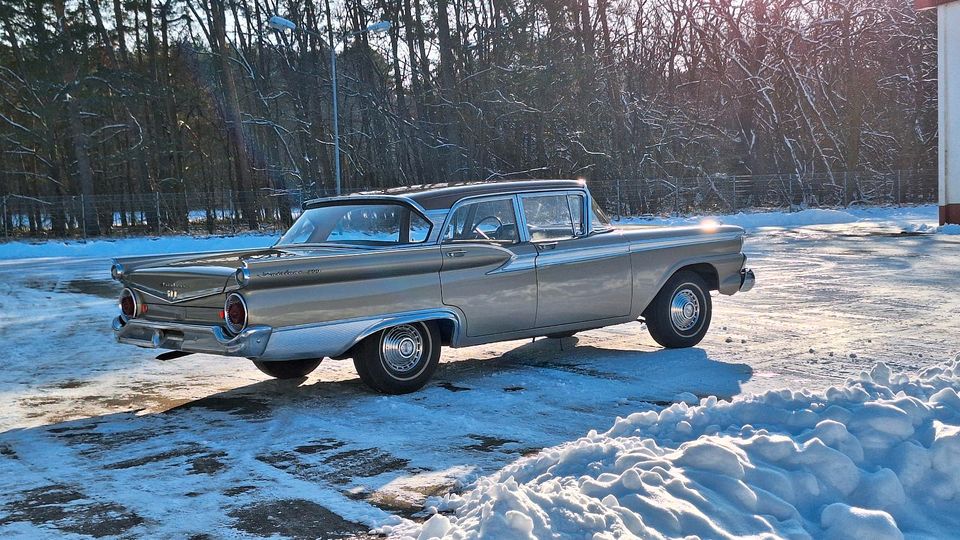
(419, 228)
(576, 213)
(598, 219)
(551, 217)
(483, 221)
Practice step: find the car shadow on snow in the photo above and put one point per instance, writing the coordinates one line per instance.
(250, 457)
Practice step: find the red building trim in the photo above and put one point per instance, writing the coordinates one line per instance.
(950, 214)
(929, 4)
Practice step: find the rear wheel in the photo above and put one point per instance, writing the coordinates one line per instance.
(288, 369)
(679, 315)
(399, 359)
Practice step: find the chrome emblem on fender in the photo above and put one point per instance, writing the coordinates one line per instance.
(172, 295)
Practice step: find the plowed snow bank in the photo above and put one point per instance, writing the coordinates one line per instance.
(878, 457)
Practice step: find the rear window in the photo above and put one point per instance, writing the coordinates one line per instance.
(373, 224)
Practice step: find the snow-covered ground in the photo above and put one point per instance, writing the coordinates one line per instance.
(100, 439)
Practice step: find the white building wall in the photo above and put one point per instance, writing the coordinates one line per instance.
(949, 110)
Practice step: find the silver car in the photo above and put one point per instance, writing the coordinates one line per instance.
(388, 278)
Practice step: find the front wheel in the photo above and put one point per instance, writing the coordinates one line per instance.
(400, 359)
(288, 369)
(679, 315)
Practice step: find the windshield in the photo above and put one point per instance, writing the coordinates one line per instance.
(369, 224)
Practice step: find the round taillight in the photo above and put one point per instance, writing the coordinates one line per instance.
(128, 304)
(235, 313)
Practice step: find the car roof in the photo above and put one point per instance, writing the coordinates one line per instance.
(443, 196)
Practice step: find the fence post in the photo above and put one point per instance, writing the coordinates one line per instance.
(233, 212)
(619, 208)
(900, 186)
(676, 197)
(6, 233)
(844, 195)
(734, 198)
(159, 228)
(83, 216)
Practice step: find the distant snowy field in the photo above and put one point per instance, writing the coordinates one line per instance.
(912, 218)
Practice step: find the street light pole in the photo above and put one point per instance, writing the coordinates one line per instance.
(280, 24)
(336, 121)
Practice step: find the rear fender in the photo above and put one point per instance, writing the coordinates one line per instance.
(454, 316)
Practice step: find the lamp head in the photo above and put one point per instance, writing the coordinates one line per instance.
(381, 26)
(279, 23)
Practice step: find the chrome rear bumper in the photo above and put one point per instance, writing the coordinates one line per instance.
(747, 280)
(250, 343)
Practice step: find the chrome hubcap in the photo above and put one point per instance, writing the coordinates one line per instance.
(402, 348)
(684, 310)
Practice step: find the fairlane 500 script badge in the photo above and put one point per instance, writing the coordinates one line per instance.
(172, 292)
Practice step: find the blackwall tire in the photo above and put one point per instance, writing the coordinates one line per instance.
(400, 359)
(288, 369)
(680, 314)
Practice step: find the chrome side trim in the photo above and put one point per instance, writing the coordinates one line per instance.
(668, 242)
(331, 339)
(515, 264)
(162, 296)
(576, 255)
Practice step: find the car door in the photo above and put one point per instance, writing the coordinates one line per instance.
(487, 272)
(581, 276)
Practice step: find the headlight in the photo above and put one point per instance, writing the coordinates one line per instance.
(235, 313)
(116, 271)
(129, 306)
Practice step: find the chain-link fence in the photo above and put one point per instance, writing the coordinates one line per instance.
(226, 212)
(731, 194)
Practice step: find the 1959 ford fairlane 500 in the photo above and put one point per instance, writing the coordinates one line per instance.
(387, 278)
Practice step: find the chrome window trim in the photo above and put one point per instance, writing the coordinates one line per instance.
(584, 226)
(517, 210)
(566, 193)
(481, 199)
(347, 200)
(590, 229)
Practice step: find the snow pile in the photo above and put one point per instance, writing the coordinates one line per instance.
(905, 216)
(925, 228)
(813, 216)
(875, 458)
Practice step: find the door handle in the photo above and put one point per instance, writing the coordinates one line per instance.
(546, 246)
(457, 253)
